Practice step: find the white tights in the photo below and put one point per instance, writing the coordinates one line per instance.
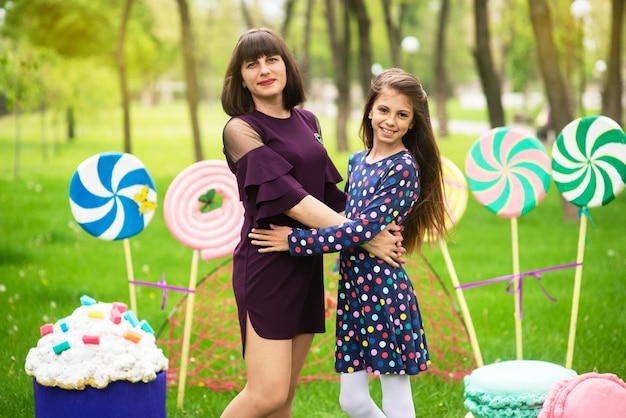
(356, 401)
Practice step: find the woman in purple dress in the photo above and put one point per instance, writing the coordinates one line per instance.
(397, 179)
(284, 177)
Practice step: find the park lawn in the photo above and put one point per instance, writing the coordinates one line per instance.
(47, 261)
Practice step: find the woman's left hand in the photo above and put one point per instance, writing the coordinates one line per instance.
(271, 240)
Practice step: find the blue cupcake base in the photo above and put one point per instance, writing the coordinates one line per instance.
(120, 399)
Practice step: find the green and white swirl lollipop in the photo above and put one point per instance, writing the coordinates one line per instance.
(589, 161)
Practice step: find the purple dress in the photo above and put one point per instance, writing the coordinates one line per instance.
(283, 295)
(379, 324)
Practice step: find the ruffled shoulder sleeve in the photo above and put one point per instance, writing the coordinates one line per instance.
(267, 189)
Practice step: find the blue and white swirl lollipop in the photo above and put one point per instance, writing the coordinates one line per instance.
(112, 196)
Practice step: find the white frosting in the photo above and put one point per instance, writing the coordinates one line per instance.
(114, 358)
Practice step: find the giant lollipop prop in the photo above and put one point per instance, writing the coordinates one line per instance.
(112, 197)
(194, 216)
(589, 169)
(455, 192)
(508, 172)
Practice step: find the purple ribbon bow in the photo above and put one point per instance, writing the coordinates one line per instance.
(511, 279)
(161, 284)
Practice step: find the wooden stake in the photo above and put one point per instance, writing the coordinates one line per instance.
(182, 380)
(131, 276)
(582, 233)
(462, 303)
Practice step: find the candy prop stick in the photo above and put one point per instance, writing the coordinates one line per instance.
(589, 169)
(508, 172)
(203, 212)
(112, 197)
(455, 192)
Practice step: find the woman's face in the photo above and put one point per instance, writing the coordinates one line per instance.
(265, 77)
(392, 117)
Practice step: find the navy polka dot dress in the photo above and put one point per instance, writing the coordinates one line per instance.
(379, 325)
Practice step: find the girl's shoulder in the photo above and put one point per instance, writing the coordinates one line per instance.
(357, 156)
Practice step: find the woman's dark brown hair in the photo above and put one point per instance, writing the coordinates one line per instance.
(427, 218)
(253, 44)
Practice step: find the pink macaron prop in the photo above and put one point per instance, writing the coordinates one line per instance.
(112, 197)
(508, 171)
(589, 169)
(455, 195)
(203, 212)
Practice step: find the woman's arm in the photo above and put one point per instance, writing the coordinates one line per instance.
(386, 245)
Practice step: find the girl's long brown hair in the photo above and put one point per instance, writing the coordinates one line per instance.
(427, 217)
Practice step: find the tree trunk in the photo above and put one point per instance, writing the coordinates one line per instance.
(339, 44)
(305, 61)
(484, 62)
(365, 46)
(288, 17)
(612, 94)
(441, 82)
(246, 15)
(393, 33)
(71, 123)
(560, 102)
(190, 76)
(121, 68)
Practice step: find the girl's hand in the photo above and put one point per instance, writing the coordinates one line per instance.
(271, 240)
(387, 245)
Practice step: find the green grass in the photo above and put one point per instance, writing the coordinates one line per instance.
(47, 262)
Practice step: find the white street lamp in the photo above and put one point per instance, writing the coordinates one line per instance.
(410, 44)
(377, 69)
(580, 8)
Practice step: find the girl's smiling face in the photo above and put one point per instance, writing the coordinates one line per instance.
(392, 117)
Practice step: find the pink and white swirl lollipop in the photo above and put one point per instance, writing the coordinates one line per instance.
(508, 171)
(202, 209)
(589, 161)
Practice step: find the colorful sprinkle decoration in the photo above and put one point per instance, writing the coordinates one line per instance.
(87, 300)
(95, 313)
(63, 325)
(130, 317)
(133, 336)
(144, 325)
(46, 329)
(91, 339)
(61, 347)
(116, 316)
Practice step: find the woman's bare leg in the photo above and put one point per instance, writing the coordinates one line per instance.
(300, 348)
(269, 371)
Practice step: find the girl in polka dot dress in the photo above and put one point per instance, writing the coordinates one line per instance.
(397, 179)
